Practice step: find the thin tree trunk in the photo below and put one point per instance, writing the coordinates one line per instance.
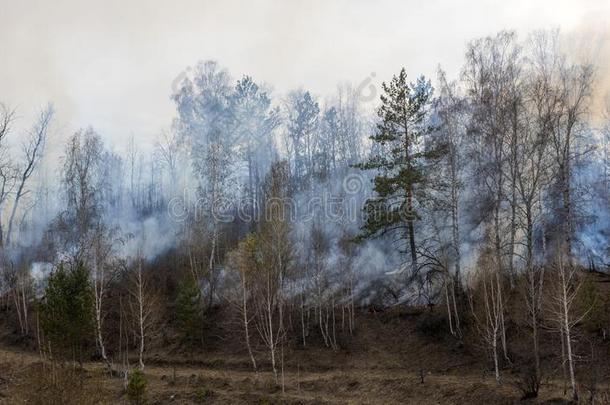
(411, 230)
(246, 322)
(11, 220)
(303, 321)
(141, 317)
(99, 295)
(568, 340)
(495, 355)
(449, 318)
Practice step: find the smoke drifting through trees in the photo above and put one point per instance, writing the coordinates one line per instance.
(298, 211)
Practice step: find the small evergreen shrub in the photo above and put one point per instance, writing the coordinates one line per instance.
(136, 388)
(189, 311)
(203, 394)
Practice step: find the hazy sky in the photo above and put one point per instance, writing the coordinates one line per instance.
(110, 64)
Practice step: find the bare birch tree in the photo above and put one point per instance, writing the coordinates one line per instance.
(564, 289)
(451, 109)
(32, 149)
(143, 304)
(7, 171)
(575, 87)
(486, 307)
(491, 75)
(276, 251)
(245, 261)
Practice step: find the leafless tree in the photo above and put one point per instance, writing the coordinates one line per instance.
(276, 249)
(7, 171)
(564, 288)
(134, 167)
(247, 265)
(531, 172)
(487, 306)
(573, 86)
(104, 270)
(606, 149)
(167, 150)
(255, 122)
(143, 304)
(451, 109)
(492, 77)
(19, 284)
(351, 125)
(32, 149)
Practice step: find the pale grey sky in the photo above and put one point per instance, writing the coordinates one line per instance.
(110, 64)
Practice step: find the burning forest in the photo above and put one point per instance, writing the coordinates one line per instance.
(428, 235)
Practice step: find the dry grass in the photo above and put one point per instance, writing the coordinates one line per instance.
(381, 365)
(29, 381)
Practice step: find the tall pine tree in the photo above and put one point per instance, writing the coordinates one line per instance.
(401, 159)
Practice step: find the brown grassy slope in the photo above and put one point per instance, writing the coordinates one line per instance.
(382, 364)
(27, 381)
